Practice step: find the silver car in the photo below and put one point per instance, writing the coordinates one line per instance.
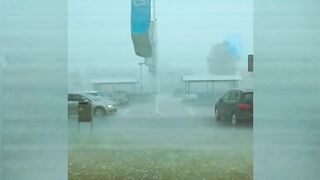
(105, 98)
(99, 107)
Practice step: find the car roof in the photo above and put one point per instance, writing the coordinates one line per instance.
(243, 90)
(81, 93)
(92, 91)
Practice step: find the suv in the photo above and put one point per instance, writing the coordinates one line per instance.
(235, 106)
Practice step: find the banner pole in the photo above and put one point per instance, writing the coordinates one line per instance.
(155, 58)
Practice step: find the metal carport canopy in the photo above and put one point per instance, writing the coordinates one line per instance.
(116, 81)
(207, 79)
(211, 78)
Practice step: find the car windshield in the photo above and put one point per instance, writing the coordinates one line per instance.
(93, 93)
(91, 97)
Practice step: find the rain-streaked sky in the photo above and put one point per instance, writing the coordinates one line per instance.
(99, 32)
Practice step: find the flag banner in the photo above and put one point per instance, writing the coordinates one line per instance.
(142, 45)
(140, 16)
(140, 23)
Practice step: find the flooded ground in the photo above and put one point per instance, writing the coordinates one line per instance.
(182, 141)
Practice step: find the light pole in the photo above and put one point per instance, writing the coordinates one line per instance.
(141, 63)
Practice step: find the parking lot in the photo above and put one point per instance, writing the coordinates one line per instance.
(178, 141)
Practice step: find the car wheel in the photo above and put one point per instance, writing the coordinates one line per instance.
(217, 115)
(233, 119)
(99, 112)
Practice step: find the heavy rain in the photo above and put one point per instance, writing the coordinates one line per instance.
(147, 89)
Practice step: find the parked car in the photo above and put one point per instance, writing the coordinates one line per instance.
(93, 93)
(103, 97)
(110, 105)
(235, 106)
(99, 107)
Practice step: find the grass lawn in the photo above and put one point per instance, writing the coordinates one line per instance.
(155, 163)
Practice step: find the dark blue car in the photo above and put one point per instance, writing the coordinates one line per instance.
(235, 106)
